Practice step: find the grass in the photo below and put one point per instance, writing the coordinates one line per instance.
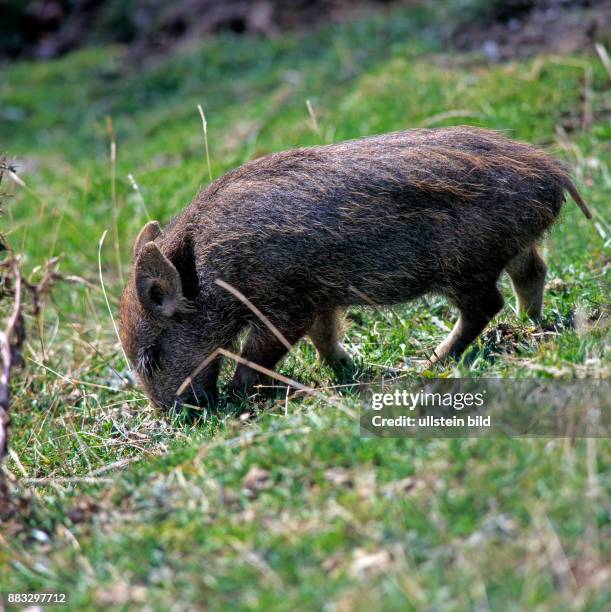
(291, 510)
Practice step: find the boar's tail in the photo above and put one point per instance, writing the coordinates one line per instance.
(570, 187)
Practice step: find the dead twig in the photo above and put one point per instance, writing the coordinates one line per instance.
(16, 286)
(11, 340)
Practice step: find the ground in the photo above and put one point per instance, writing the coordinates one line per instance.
(117, 504)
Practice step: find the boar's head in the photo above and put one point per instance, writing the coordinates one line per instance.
(163, 332)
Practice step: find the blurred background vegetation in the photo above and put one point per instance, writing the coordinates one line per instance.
(49, 28)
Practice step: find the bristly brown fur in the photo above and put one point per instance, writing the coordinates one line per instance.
(394, 216)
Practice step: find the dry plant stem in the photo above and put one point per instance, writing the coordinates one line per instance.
(587, 119)
(251, 364)
(138, 193)
(312, 114)
(238, 294)
(275, 375)
(290, 382)
(10, 342)
(205, 130)
(114, 324)
(604, 57)
(255, 366)
(113, 187)
(68, 480)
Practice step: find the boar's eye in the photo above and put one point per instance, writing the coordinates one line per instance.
(149, 359)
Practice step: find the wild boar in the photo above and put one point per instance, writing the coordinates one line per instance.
(304, 234)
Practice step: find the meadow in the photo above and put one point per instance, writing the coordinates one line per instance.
(121, 506)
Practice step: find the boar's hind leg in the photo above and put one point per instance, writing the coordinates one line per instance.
(476, 309)
(265, 349)
(527, 272)
(325, 334)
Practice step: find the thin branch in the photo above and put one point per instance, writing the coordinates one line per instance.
(13, 336)
(11, 340)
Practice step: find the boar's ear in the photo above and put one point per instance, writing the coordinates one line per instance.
(149, 232)
(157, 281)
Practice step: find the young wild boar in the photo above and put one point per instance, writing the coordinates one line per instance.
(304, 234)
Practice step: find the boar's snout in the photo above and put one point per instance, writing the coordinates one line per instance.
(199, 393)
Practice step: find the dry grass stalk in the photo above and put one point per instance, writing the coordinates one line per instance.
(312, 114)
(240, 296)
(205, 131)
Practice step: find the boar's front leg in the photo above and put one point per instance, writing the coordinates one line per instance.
(265, 349)
(476, 307)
